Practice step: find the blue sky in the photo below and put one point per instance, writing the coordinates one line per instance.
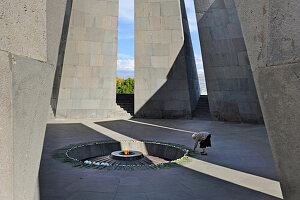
(126, 37)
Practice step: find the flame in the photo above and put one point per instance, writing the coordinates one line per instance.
(126, 152)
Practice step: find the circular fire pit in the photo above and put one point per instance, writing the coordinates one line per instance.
(107, 154)
(126, 155)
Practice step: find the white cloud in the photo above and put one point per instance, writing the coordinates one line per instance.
(126, 10)
(199, 64)
(190, 11)
(122, 56)
(125, 64)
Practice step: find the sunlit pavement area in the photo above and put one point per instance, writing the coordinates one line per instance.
(239, 164)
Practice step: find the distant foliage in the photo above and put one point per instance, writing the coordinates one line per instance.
(125, 86)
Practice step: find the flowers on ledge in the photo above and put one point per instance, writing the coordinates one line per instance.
(96, 163)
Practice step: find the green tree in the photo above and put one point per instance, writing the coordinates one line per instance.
(119, 85)
(125, 86)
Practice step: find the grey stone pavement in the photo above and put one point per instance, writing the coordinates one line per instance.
(241, 147)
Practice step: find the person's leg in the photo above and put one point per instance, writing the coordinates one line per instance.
(203, 152)
(203, 146)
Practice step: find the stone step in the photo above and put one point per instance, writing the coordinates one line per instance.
(121, 113)
(202, 108)
(199, 102)
(50, 113)
(203, 105)
(126, 102)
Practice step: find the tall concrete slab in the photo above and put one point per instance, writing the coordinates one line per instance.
(166, 82)
(271, 30)
(57, 34)
(25, 88)
(85, 87)
(57, 14)
(231, 91)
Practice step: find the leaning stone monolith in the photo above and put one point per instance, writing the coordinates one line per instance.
(85, 79)
(166, 82)
(26, 78)
(231, 91)
(272, 34)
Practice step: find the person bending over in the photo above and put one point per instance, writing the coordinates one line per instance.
(204, 139)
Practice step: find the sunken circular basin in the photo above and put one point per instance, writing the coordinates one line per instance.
(128, 155)
(114, 154)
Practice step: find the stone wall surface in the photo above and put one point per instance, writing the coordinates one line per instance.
(57, 39)
(23, 28)
(86, 88)
(31, 89)
(165, 83)
(56, 10)
(271, 30)
(6, 132)
(230, 86)
(24, 107)
(25, 89)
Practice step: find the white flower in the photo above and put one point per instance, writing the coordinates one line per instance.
(87, 162)
(104, 164)
(96, 163)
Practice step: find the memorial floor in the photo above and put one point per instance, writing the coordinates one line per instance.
(239, 164)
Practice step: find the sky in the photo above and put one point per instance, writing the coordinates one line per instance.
(126, 38)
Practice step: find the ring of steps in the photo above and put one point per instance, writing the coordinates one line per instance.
(146, 160)
(154, 152)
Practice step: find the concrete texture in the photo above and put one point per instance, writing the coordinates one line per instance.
(62, 181)
(230, 86)
(165, 71)
(23, 28)
(86, 88)
(56, 10)
(29, 117)
(24, 107)
(6, 139)
(271, 31)
(27, 73)
(57, 57)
